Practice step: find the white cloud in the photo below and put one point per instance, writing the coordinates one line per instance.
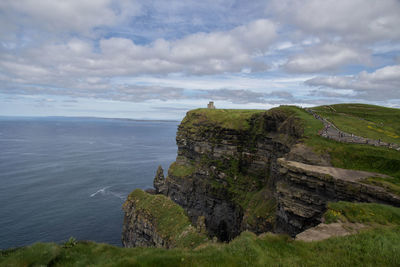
(326, 57)
(200, 53)
(384, 83)
(337, 33)
(355, 20)
(72, 15)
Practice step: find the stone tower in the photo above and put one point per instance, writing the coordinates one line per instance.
(211, 105)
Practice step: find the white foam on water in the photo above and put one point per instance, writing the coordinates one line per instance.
(103, 191)
(100, 191)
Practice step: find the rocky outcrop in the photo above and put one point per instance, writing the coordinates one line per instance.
(303, 191)
(156, 221)
(159, 181)
(140, 227)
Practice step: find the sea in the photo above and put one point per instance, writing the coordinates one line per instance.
(68, 177)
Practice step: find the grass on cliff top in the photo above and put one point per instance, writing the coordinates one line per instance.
(379, 246)
(236, 119)
(391, 184)
(362, 213)
(170, 219)
(369, 121)
(349, 156)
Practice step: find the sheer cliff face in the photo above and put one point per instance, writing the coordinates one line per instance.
(244, 170)
(228, 174)
(139, 229)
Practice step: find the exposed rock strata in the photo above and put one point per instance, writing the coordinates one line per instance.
(228, 164)
(303, 191)
(139, 228)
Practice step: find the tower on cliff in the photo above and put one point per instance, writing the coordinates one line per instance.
(211, 105)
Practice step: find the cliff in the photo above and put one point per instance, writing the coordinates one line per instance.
(304, 190)
(156, 221)
(225, 168)
(239, 170)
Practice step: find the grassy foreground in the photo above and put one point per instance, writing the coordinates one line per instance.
(377, 246)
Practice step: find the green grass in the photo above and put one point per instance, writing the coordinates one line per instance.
(389, 183)
(359, 157)
(259, 206)
(349, 156)
(310, 125)
(377, 247)
(369, 121)
(170, 219)
(237, 119)
(362, 213)
(181, 170)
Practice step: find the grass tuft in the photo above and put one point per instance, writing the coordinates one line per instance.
(181, 170)
(362, 213)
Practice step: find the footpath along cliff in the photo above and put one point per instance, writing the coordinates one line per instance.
(239, 170)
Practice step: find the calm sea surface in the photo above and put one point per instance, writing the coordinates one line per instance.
(63, 177)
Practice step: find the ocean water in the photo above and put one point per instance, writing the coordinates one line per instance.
(63, 177)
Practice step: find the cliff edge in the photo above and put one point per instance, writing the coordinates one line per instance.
(239, 170)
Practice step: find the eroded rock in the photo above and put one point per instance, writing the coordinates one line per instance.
(303, 191)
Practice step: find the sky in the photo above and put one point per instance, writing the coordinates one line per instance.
(157, 59)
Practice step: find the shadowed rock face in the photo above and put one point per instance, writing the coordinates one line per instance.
(139, 228)
(303, 191)
(222, 217)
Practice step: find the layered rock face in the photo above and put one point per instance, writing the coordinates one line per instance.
(139, 229)
(218, 170)
(303, 191)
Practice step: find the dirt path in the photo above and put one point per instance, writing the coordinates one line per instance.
(330, 131)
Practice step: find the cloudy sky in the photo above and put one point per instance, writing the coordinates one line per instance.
(157, 59)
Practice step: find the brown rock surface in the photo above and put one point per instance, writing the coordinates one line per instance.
(324, 231)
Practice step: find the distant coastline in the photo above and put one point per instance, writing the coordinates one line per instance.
(78, 118)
